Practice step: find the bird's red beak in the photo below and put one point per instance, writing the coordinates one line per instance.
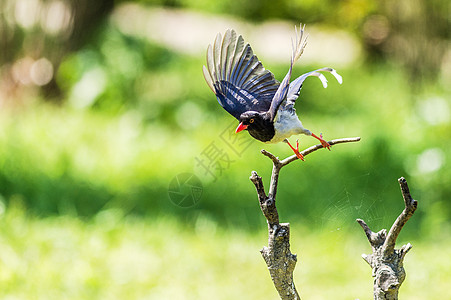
(240, 127)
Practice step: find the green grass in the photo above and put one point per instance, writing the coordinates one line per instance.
(117, 257)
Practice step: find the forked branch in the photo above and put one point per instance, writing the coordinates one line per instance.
(278, 257)
(386, 261)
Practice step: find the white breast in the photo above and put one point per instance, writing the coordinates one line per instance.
(287, 124)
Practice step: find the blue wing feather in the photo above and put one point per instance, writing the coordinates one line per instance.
(237, 77)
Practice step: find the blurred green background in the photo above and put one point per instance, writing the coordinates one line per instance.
(103, 107)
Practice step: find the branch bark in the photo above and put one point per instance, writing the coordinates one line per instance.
(277, 255)
(386, 261)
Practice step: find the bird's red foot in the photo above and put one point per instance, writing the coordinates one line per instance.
(323, 142)
(296, 150)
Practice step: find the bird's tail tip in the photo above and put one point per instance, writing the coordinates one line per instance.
(337, 76)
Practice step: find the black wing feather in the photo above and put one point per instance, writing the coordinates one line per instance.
(237, 77)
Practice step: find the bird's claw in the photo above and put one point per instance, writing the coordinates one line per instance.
(325, 145)
(322, 141)
(299, 155)
(296, 150)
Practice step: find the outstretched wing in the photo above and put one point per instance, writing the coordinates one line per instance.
(296, 85)
(282, 91)
(237, 77)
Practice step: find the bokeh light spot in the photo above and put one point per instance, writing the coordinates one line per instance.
(41, 71)
(189, 116)
(430, 160)
(434, 110)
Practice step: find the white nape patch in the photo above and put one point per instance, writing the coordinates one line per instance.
(286, 124)
(337, 76)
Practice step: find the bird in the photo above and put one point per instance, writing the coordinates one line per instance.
(250, 93)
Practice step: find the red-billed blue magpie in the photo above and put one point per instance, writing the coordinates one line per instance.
(245, 89)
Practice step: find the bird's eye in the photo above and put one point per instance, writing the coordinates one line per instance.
(251, 121)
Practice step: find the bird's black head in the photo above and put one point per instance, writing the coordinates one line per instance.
(258, 124)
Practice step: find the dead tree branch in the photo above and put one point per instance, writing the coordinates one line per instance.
(277, 255)
(386, 261)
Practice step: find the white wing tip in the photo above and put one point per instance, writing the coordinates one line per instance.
(337, 76)
(208, 78)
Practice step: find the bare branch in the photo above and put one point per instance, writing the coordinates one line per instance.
(307, 151)
(274, 180)
(277, 255)
(278, 164)
(365, 227)
(267, 204)
(257, 181)
(410, 207)
(403, 251)
(281, 262)
(270, 155)
(375, 239)
(386, 262)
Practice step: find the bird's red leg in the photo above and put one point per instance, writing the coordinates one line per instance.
(323, 142)
(296, 151)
